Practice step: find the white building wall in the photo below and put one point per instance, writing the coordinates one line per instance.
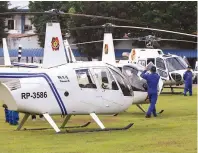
(26, 42)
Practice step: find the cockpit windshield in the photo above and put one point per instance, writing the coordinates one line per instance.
(136, 82)
(175, 63)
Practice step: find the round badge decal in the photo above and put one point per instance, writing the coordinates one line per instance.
(55, 43)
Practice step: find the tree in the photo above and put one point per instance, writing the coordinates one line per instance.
(169, 15)
(40, 20)
(3, 8)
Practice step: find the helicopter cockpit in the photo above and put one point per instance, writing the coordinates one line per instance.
(137, 83)
(175, 63)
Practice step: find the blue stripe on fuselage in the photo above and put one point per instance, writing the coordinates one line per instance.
(43, 75)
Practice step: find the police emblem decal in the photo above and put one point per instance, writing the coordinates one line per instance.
(55, 43)
(106, 48)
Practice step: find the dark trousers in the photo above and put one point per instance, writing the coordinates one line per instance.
(153, 100)
(188, 87)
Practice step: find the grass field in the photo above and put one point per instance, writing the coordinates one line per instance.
(174, 131)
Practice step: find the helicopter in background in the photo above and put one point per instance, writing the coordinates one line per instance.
(170, 67)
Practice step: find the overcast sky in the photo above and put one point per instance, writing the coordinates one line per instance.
(21, 4)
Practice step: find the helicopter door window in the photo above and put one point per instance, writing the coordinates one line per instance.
(142, 62)
(151, 60)
(105, 79)
(136, 83)
(124, 84)
(85, 78)
(160, 64)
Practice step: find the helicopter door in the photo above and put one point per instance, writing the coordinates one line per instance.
(109, 87)
(88, 89)
(161, 68)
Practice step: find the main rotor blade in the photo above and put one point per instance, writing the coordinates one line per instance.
(178, 40)
(84, 27)
(152, 29)
(72, 14)
(128, 39)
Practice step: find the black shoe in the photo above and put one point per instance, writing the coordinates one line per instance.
(148, 116)
(185, 95)
(155, 115)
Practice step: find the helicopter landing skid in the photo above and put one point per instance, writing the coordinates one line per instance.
(172, 91)
(99, 130)
(69, 127)
(142, 109)
(160, 112)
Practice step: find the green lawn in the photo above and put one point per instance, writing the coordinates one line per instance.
(174, 131)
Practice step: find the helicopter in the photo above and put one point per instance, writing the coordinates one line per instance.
(140, 92)
(64, 86)
(170, 67)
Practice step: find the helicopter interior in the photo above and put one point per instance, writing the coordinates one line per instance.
(136, 82)
(104, 78)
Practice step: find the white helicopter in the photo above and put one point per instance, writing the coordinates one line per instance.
(64, 86)
(170, 67)
(131, 71)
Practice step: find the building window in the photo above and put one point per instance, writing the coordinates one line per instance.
(11, 24)
(27, 27)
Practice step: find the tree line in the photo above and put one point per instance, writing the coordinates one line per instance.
(170, 15)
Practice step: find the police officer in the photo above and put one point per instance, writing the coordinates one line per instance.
(152, 81)
(188, 81)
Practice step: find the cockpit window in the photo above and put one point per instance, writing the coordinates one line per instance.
(123, 83)
(105, 79)
(175, 63)
(137, 83)
(85, 79)
(160, 64)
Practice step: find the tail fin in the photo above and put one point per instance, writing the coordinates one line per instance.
(6, 53)
(69, 52)
(54, 52)
(108, 53)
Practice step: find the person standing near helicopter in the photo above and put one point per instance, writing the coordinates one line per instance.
(188, 81)
(152, 81)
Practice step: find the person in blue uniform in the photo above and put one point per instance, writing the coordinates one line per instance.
(188, 81)
(152, 82)
(6, 113)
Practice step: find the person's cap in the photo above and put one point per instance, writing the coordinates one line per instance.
(189, 67)
(153, 69)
